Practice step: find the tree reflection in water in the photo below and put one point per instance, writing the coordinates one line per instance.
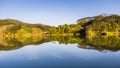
(100, 43)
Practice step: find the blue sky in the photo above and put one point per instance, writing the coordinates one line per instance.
(56, 12)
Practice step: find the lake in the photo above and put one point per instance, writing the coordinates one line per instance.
(61, 52)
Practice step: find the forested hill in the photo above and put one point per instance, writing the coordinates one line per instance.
(96, 25)
(20, 23)
(20, 32)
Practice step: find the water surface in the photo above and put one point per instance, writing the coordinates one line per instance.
(61, 53)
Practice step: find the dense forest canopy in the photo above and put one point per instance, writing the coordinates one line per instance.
(96, 25)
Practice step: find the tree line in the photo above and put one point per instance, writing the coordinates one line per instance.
(96, 24)
(86, 26)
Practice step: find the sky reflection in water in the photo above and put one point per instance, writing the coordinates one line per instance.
(51, 55)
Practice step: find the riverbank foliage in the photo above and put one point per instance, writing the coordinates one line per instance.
(13, 29)
(96, 25)
(98, 32)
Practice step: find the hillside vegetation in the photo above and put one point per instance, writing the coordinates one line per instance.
(98, 32)
(96, 25)
(14, 29)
